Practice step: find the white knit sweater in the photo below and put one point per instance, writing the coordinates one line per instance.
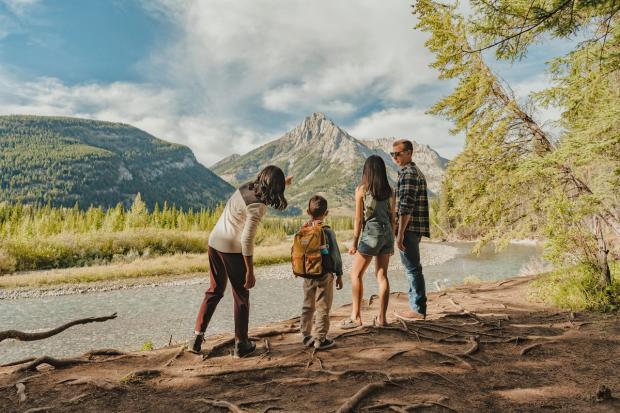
(234, 232)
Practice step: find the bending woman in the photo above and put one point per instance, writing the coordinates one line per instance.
(231, 247)
(373, 236)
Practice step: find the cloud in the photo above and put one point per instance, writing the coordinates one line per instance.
(295, 57)
(409, 123)
(20, 7)
(232, 75)
(146, 106)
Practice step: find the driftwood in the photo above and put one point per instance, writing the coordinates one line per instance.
(233, 408)
(22, 336)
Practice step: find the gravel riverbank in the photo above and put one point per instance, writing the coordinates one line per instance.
(432, 254)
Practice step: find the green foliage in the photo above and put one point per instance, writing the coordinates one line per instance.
(64, 161)
(577, 288)
(34, 237)
(147, 346)
(512, 180)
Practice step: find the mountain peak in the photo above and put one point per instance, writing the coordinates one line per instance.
(317, 116)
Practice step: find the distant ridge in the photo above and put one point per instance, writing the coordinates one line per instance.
(65, 161)
(324, 159)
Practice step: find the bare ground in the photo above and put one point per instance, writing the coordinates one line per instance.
(483, 349)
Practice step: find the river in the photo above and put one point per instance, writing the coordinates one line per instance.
(154, 314)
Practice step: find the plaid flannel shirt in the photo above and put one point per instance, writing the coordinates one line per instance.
(413, 199)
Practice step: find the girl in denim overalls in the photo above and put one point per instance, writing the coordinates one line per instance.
(373, 236)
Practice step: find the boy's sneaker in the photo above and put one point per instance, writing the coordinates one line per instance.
(244, 348)
(324, 344)
(308, 341)
(196, 344)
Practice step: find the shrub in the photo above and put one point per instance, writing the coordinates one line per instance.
(577, 288)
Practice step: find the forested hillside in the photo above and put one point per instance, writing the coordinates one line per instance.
(64, 161)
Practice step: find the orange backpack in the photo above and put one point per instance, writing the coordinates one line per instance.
(306, 251)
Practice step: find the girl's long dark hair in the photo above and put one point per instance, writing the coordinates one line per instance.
(269, 187)
(374, 178)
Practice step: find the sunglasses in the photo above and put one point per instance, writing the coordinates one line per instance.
(395, 154)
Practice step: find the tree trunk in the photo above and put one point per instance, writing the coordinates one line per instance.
(601, 254)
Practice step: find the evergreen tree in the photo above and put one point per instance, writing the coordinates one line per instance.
(511, 179)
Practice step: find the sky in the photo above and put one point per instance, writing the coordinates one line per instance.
(225, 77)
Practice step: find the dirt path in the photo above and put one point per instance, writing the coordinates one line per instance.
(483, 349)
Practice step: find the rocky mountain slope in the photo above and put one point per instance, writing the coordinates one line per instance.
(69, 160)
(324, 159)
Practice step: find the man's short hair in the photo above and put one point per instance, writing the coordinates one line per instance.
(408, 146)
(317, 206)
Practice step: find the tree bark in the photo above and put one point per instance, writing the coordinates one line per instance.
(601, 255)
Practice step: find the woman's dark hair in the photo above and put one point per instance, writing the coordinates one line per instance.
(269, 187)
(374, 178)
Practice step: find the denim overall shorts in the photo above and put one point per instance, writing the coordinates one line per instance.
(377, 236)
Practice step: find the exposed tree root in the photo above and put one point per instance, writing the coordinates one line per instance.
(221, 403)
(178, 354)
(104, 352)
(255, 336)
(251, 402)
(474, 346)
(56, 363)
(448, 355)
(527, 349)
(250, 370)
(21, 392)
(353, 401)
(398, 353)
(21, 336)
(40, 409)
(18, 362)
(140, 375)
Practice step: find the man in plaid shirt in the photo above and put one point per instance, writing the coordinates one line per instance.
(413, 224)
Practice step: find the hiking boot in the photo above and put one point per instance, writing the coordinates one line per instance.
(308, 341)
(324, 344)
(244, 348)
(196, 344)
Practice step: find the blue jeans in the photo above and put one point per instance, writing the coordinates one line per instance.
(413, 271)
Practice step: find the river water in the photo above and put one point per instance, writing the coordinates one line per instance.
(154, 314)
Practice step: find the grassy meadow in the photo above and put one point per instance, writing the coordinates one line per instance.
(41, 245)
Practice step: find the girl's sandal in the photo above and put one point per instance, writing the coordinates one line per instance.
(349, 324)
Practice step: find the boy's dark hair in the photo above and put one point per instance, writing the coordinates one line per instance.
(317, 206)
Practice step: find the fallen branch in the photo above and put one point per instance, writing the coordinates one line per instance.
(21, 336)
(221, 403)
(56, 363)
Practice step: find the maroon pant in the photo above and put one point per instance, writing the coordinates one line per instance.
(226, 266)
